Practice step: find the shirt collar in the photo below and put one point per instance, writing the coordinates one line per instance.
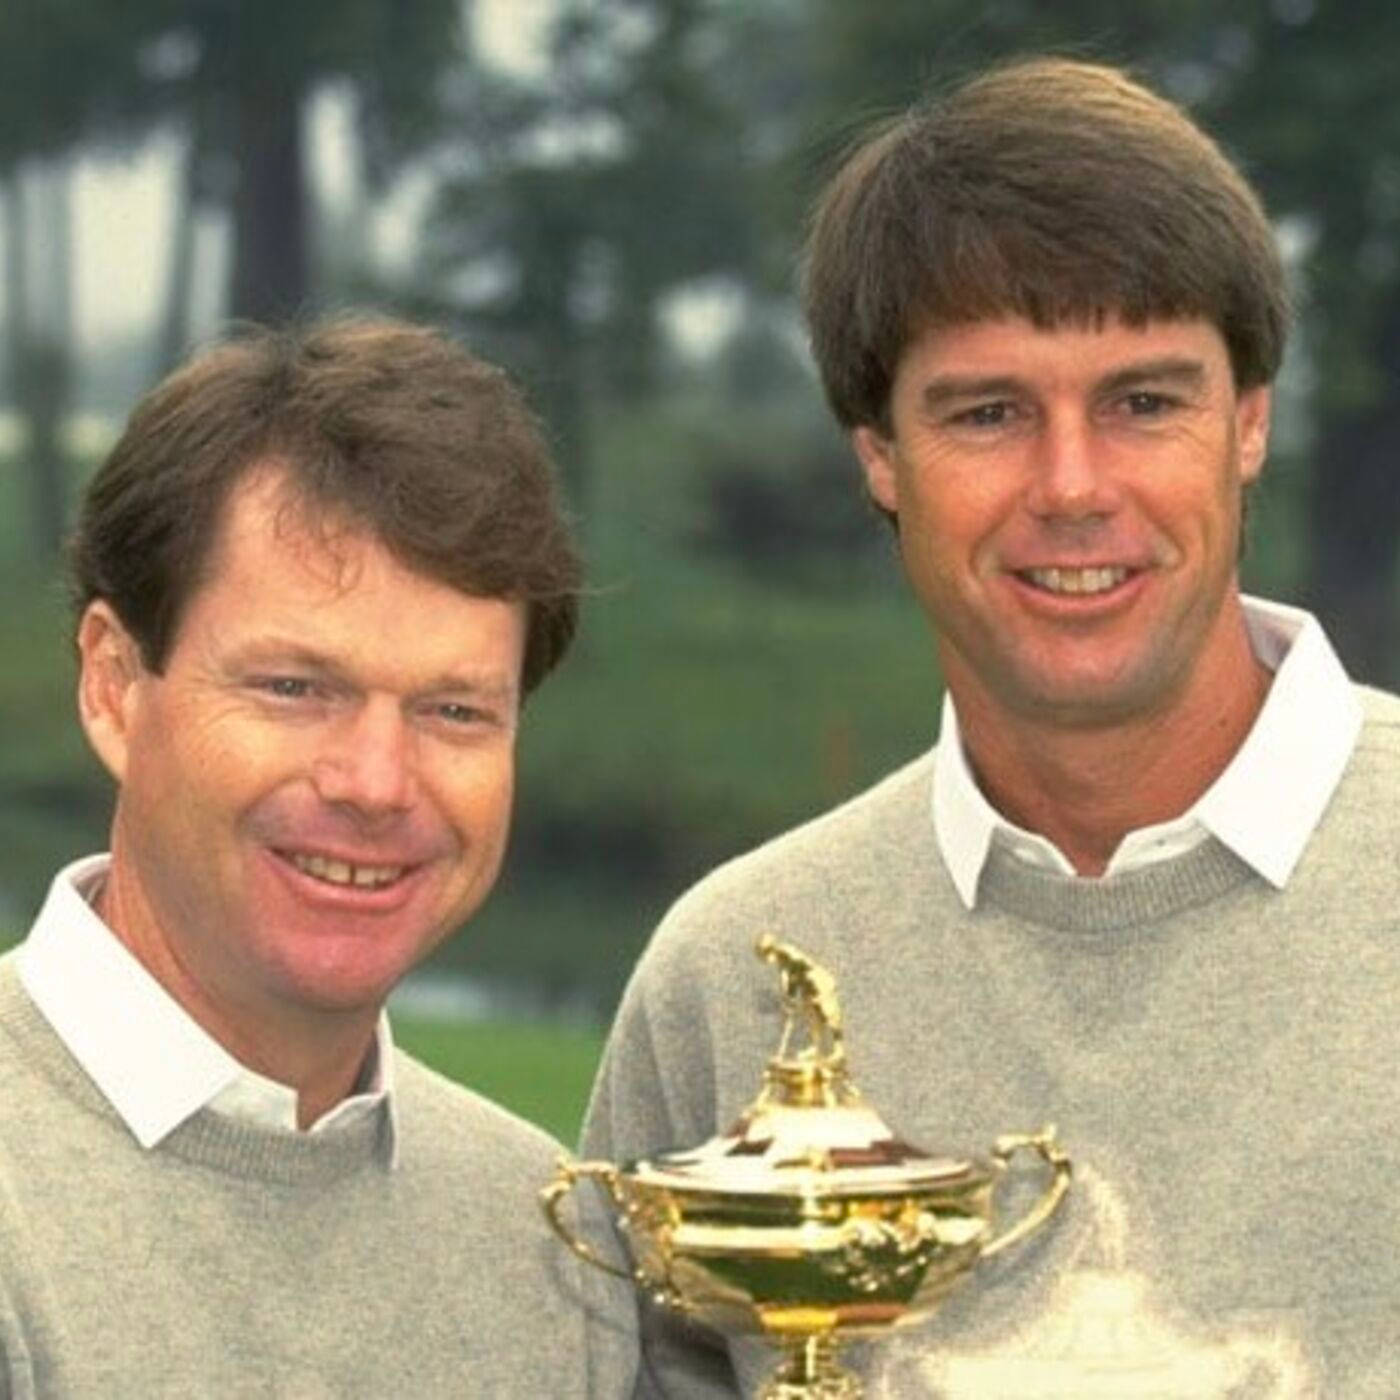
(151, 1060)
(1306, 730)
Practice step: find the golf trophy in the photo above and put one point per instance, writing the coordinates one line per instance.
(808, 1222)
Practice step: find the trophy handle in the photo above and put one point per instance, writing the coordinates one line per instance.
(1043, 1144)
(567, 1176)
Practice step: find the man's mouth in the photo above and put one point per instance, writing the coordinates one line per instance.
(1078, 581)
(342, 872)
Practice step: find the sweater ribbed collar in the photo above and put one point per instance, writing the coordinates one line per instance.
(1114, 904)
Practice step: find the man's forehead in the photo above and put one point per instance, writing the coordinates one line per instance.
(1005, 340)
(288, 583)
(266, 500)
(269, 520)
(266, 514)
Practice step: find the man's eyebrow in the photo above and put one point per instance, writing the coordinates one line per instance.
(271, 653)
(491, 688)
(955, 388)
(951, 388)
(1170, 369)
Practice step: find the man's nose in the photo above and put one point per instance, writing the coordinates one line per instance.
(366, 759)
(1070, 473)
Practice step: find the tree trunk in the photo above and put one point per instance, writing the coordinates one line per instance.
(40, 341)
(270, 265)
(174, 333)
(569, 414)
(16, 278)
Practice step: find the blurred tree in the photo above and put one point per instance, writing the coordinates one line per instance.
(790, 516)
(1315, 111)
(237, 76)
(867, 62)
(51, 57)
(575, 200)
(234, 77)
(39, 324)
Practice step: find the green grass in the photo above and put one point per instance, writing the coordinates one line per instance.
(540, 1071)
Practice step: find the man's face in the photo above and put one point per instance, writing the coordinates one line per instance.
(1069, 506)
(318, 787)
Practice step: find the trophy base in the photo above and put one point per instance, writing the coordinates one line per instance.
(810, 1372)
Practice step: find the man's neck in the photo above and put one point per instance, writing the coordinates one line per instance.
(1084, 787)
(318, 1055)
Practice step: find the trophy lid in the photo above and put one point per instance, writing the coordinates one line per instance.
(809, 1131)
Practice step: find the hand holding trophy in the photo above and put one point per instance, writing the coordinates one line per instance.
(808, 1222)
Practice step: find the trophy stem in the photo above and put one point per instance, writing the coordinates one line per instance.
(809, 1372)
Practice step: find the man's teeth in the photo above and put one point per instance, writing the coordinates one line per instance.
(341, 872)
(1077, 580)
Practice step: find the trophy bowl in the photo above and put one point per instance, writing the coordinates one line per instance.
(809, 1222)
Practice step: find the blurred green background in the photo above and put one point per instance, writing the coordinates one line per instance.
(607, 196)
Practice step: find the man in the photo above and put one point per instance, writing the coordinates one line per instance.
(1146, 884)
(315, 579)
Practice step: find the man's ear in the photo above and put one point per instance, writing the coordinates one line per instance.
(109, 667)
(876, 454)
(1252, 410)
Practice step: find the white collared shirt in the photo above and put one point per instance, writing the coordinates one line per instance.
(152, 1061)
(1300, 742)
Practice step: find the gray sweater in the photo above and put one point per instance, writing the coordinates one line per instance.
(1219, 1056)
(236, 1261)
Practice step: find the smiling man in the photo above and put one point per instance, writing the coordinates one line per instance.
(1146, 883)
(316, 578)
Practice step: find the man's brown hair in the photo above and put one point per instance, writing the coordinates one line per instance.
(1052, 189)
(378, 424)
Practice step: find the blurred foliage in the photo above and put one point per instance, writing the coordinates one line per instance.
(567, 209)
(1313, 107)
(777, 497)
(749, 655)
(53, 798)
(232, 77)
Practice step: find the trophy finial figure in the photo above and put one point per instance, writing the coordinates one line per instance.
(809, 1001)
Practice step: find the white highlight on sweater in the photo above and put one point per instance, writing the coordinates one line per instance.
(1104, 1335)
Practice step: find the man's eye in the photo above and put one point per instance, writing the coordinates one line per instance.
(464, 714)
(984, 415)
(468, 717)
(1143, 403)
(286, 687)
(455, 712)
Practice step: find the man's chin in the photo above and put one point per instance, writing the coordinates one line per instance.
(338, 990)
(1085, 698)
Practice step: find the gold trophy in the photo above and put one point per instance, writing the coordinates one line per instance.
(808, 1222)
